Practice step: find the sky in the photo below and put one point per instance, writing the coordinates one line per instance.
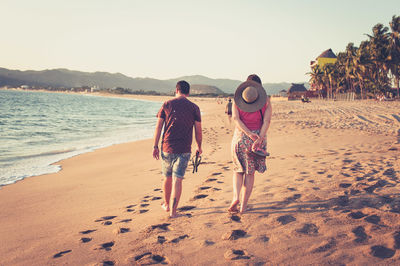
(170, 38)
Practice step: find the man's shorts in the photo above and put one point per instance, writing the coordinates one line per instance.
(174, 164)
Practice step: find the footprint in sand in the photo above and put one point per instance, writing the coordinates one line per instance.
(179, 238)
(382, 252)
(157, 189)
(293, 198)
(236, 254)
(125, 221)
(107, 246)
(161, 239)
(357, 215)
(108, 263)
(359, 232)
(105, 218)
(122, 230)
(235, 218)
(143, 211)
(144, 205)
(263, 238)
(107, 223)
(211, 179)
(200, 196)
(86, 239)
(325, 247)
(214, 174)
(373, 219)
(285, 219)
(148, 258)
(87, 232)
(204, 188)
(163, 227)
(344, 185)
(155, 198)
(60, 254)
(130, 210)
(308, 229)
(234, 235)
(208, 243)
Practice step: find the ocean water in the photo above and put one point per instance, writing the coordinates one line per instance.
(37, 129)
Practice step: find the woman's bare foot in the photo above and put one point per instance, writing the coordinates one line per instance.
(234, 207)
(165, 207)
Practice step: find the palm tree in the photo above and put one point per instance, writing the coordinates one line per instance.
(316, 78)
(394, 50)
(328, 70)
(349, 66)
(378, 49)
(361, 66)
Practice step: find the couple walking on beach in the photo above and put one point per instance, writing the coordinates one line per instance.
(252, 115)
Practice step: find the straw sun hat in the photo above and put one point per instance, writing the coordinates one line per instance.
(250, 96)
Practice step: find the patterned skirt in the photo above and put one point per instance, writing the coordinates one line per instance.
(243, 162)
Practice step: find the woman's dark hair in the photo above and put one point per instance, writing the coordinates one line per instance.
(183, 87)
(255, 78)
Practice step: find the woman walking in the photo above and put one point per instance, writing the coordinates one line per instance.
(252, 115)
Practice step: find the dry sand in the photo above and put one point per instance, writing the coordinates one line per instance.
(330, 196)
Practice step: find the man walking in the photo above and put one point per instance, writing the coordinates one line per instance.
(178, 117)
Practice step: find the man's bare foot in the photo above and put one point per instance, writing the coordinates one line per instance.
(165, 207)
(175, 215)
(234, 207)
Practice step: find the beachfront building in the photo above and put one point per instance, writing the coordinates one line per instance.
(283, 93)
(327, 57)
(317, 70)
(296, 91)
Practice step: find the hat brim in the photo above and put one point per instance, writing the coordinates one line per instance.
(254, 106)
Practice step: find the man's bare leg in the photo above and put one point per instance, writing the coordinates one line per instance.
(237, 186)
(167, 186)
(248, 184)
(175, 196)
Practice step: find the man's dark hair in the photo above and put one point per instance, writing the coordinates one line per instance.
(255, 78)
(183, 87)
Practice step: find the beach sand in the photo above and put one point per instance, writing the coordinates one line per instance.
(330, 196)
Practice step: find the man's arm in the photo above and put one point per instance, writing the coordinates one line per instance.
(198, 135)
(157, 134)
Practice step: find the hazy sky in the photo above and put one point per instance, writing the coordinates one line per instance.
(170, 38)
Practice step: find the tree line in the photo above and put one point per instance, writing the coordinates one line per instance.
(368, 70)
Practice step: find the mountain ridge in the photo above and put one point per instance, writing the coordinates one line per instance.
(62, 77)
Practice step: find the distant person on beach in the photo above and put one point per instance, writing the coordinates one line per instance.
(228, 109)
(252, 115)
(178, 117)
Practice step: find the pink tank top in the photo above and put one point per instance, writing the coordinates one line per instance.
(252, 120)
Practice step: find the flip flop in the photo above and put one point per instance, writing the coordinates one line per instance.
(196, 162)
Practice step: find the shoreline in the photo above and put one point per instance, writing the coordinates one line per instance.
(73, 153)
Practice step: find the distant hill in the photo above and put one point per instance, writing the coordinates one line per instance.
(69, 78)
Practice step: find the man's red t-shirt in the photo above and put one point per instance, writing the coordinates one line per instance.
(179, 115)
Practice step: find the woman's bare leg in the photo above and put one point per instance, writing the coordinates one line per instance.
(248, 184)
(237, 186)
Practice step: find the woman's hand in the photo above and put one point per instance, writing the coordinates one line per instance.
(253, 136)
(258, 143)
